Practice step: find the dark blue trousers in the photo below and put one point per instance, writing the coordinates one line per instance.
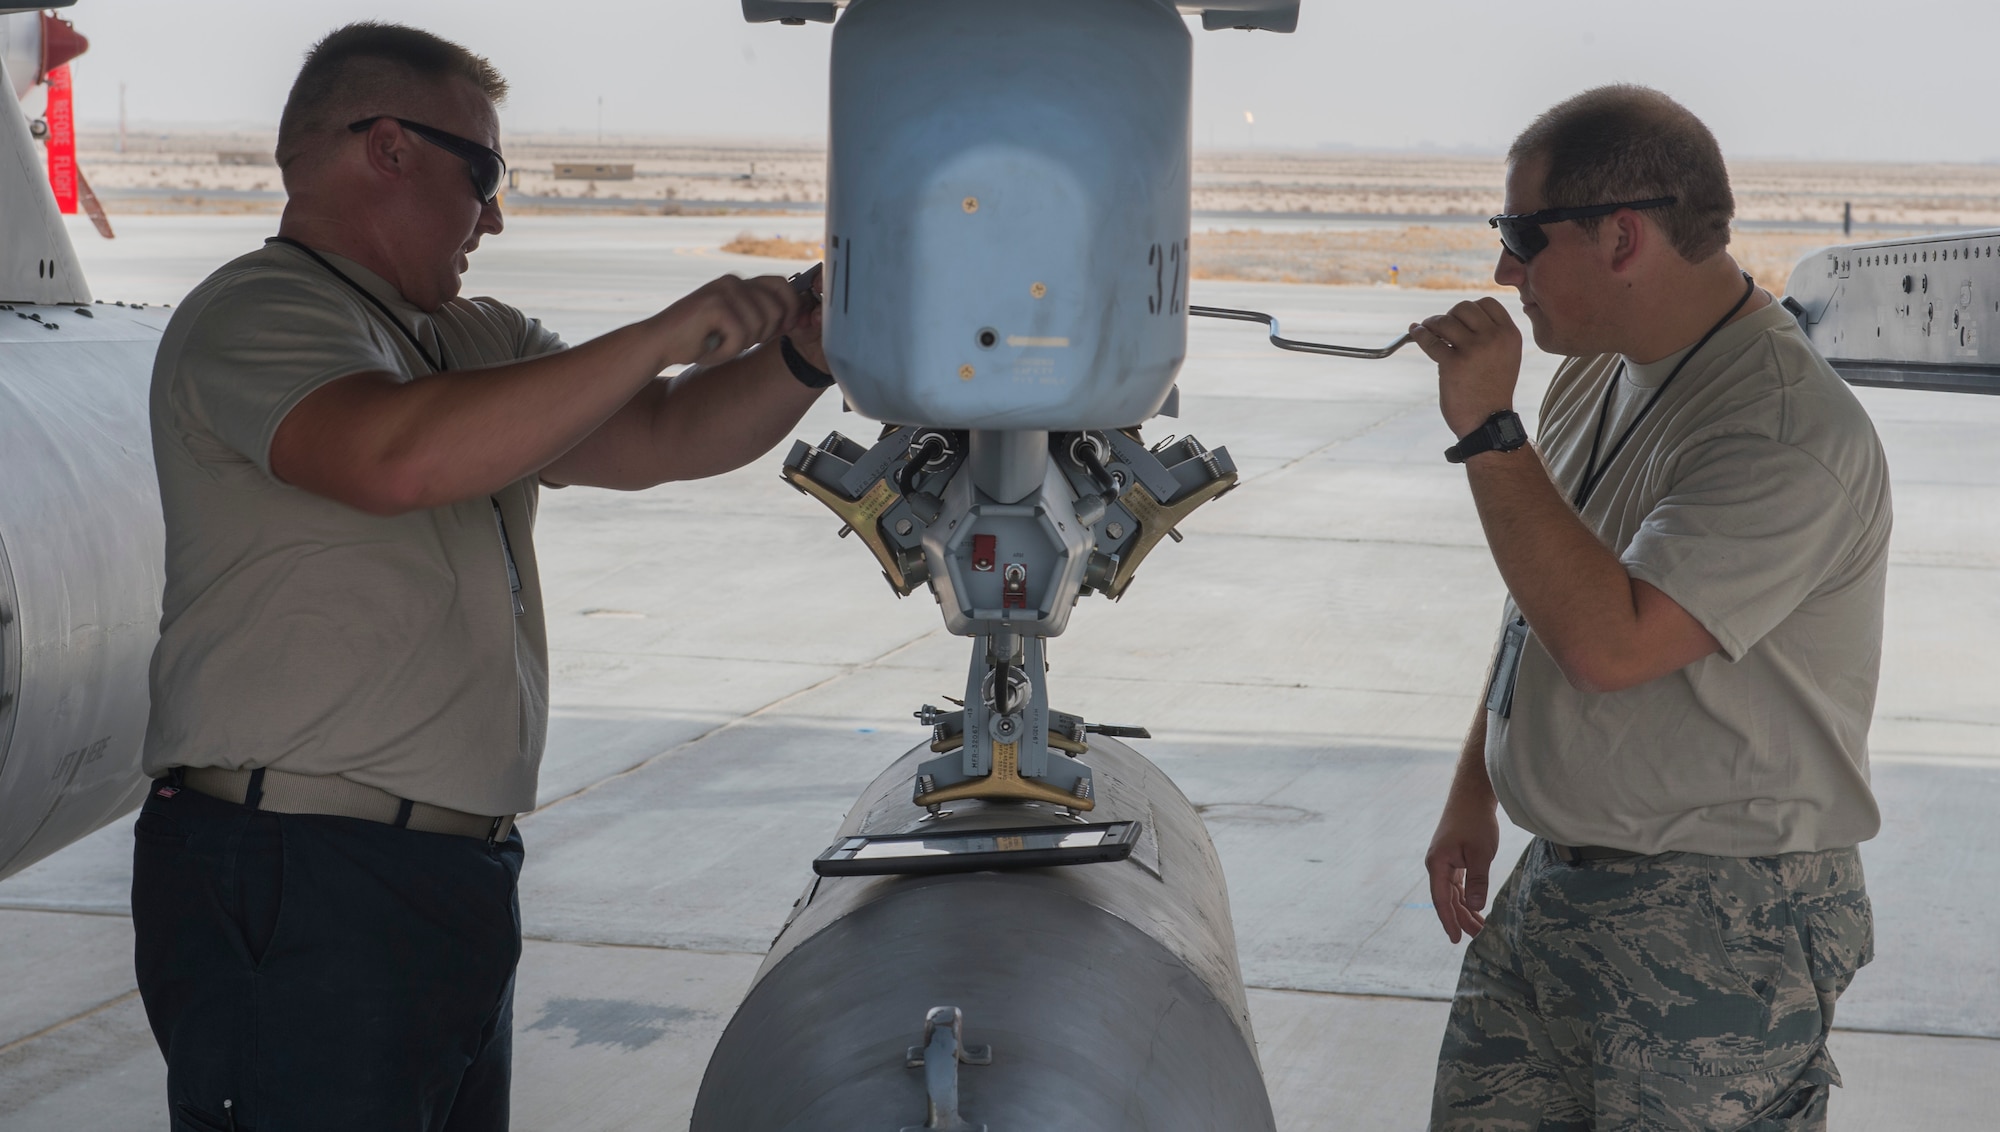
(304, 972)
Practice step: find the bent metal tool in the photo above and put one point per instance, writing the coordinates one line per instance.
(1363, 352)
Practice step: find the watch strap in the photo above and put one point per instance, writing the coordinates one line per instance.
(808, 374)
(1501, 432)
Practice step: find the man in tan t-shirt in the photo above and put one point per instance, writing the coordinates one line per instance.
(350, 693)
(1695, 549)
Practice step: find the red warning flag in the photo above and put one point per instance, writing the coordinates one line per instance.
(62, 140)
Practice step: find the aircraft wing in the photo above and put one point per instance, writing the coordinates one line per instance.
(1921, 312)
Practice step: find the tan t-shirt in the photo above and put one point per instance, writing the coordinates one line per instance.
(302, 634)
(1755, 494)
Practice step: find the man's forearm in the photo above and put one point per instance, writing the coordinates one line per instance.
(1567, 583)
(387, 447)
(1460, 858)
(704, 422)
(718, 419)
(1470, 784)
(1604, 629)
(1570, 587)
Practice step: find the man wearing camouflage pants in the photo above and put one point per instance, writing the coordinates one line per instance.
(1695, 549)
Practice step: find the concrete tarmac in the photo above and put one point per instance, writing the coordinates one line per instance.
(728, 676)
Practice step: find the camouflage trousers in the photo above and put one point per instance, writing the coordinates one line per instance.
(1676, 991)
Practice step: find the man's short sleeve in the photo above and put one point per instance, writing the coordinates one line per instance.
(259, 346)
(517, 334)
(538, 339)
(1749, 528)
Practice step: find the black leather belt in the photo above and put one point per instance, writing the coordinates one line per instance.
(1578, 854)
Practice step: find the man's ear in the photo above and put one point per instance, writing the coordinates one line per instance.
(1625, 237)
(386, 145)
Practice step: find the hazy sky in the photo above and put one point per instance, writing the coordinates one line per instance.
(1834, 78)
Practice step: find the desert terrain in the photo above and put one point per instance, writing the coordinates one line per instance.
(1394, 219)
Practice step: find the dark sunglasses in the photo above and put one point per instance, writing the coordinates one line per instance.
(487, 167)
(1522, 234)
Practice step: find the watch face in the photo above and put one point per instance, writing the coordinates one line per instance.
(1510, 432)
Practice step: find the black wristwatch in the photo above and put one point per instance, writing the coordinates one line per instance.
(809, 375)
(1502, 432)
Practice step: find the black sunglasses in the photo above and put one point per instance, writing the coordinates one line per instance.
(487, 167)
(1522, 234)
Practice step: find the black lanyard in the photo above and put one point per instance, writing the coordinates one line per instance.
(436, 365)
(499, 515)
(1593, 474)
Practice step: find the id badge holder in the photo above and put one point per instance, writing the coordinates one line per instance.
(1507, 668)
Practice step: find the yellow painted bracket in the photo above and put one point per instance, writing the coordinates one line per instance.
(864, 517)
(1155, 520)
(1063, 743)
(1005, 784)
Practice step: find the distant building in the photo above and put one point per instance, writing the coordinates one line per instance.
(593, 171)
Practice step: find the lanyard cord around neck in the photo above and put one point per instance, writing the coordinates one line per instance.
(436, 365)
(499, 516)
(1593, 473)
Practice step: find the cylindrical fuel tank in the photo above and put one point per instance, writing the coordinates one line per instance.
(80, 571)
(1007, 211)
(1108, 993)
